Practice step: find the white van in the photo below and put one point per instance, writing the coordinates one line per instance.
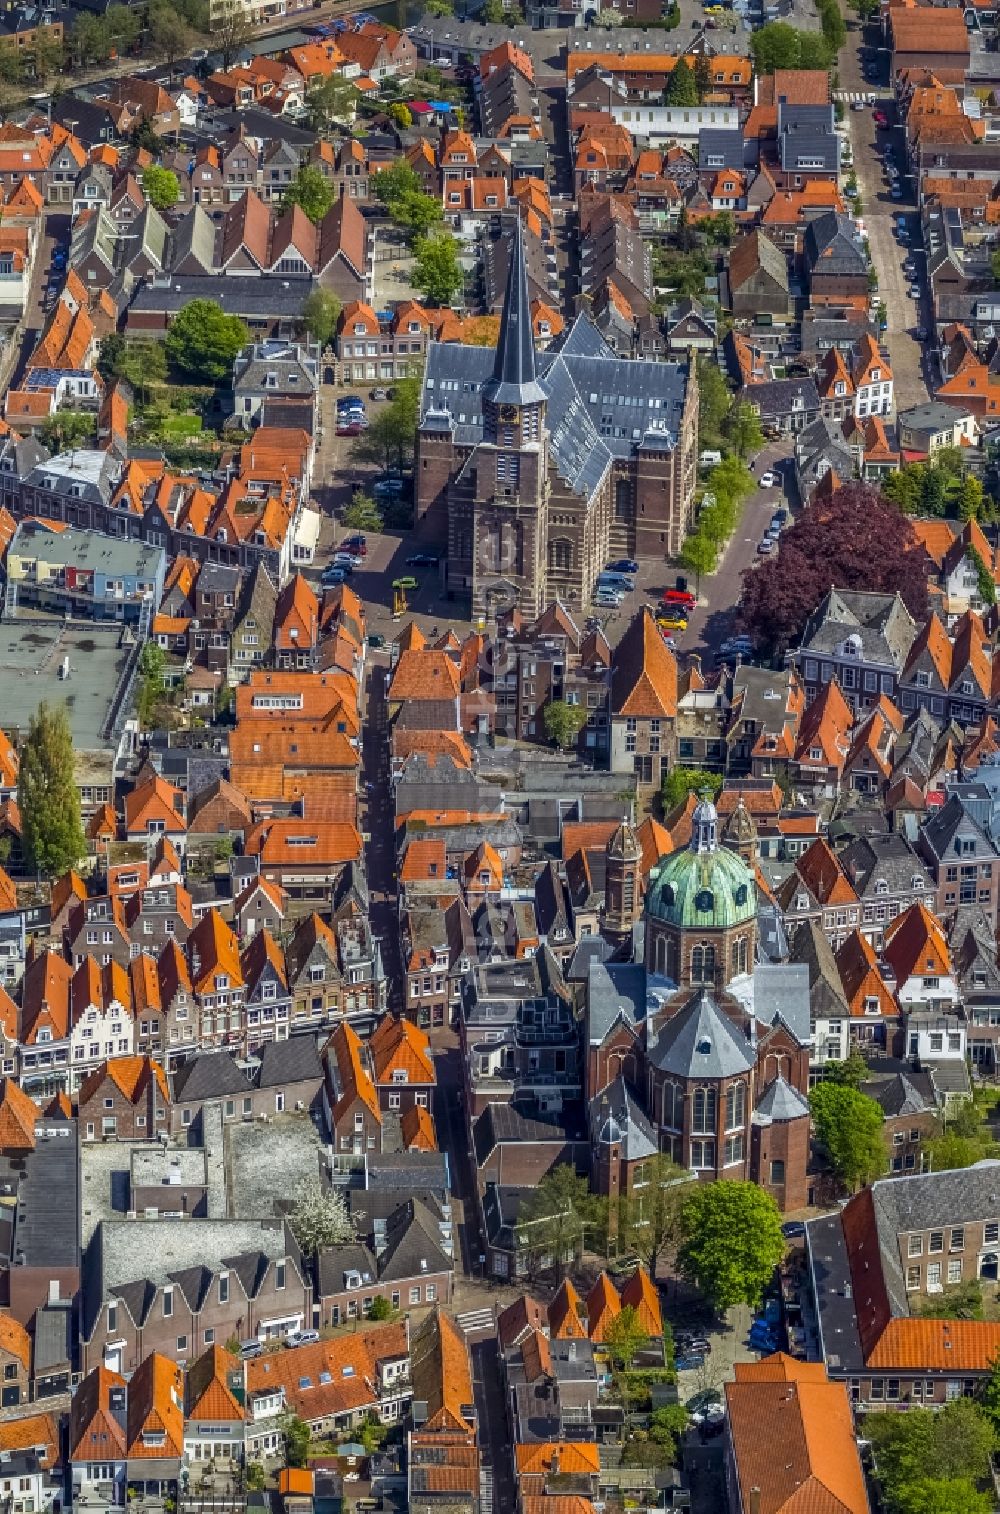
(709, 459)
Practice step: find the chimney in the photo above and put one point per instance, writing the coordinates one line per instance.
(754, 1501)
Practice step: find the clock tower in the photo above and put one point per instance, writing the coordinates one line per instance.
(512, 461)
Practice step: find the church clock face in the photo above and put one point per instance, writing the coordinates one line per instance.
(508, 412)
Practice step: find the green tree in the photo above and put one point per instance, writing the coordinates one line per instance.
(964, 1301)
(48, 796)
(320, 315)
(169, 33)
(310, 189)
(328, 100)
(143, 364)
(852, 1072)
(682, 87)
(952, 1150)
(698, 555)
(66, 429)
(439, 8)
(970, 499)
(555, 1216)
(417, 212)
(88, 40)
(905, 487)
(254, 1477)
(984, 578)
(955, 1442)
(395, 182)
(714, 400)
(720, 229)
(942, 1495)
(363, 514)
(650, 1216)
(381, 1308)
(988, 1396)
(624, 1338)
(563, 723)
(848, 1125)
(778, 45)
(741, 429)
(297, 1438)
(319, 1217)
(400, 115)
(202, 342)
(680, 782)
(160, 187)
(731, 1242)
(152, 665)
(437, 273)
(865, 9)
(703, 76)
(609, 18)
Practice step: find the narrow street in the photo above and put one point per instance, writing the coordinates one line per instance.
(376, 824)
(494, 1436)
(712, 621)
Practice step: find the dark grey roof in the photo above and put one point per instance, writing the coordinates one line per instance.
(811, 947)
(54, 1337)
(889, 860)
(780, 1102)
(293, 1061)
(598, 406)
(700, 1041)
(881, 622)
(413, 1237)
(41, 1195)
(834, 239)
(833, 1291)
(781, 992)
(934, 415)
(500, 1123)
(590, 949)
(807, 139)
(950, 821)
(902, 1093)
(270, 295)
(617, 1117)
(717, 142)
(408, 1170)
(334, 1262)
(614, 991)
(210, 1075)
(779, 397)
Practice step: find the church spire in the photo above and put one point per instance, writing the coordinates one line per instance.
(515, 377)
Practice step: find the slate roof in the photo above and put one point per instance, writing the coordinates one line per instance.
(583, 383)
(700, 1041)
(210, 1075)
(614, 990)
(780, 1102)
(412, 1244)
(617, 1117)
(293, 1061)
(881, 621)
(833, 246)
(501, 1123)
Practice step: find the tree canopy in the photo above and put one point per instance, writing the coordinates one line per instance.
(437, 273)
(649, 1217)
(310, 189)
(202, 341)
(320, 314)
(160, 187)
(680, 782)
(855, 540)
(682, 87)
(319, 1217)
(555, 1215)
(731, 1242)
(848, 1126)
(563, 723)
(329, 100)
(48, 796)
(930, 1461)
(778, 45)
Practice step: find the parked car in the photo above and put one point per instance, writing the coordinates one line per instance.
(422, 560)
(792, 1228)
(921, 333)
(623, 581)
(770, 481)
(689, 1363)
(881, 119)
(350, 402)
(333, 575)
(356, 545)
(302, 1338)
(608, 598)
(350, 427)
(347, 561)
(376, 641)
(623, 565)
(765, 547)
(378, 393)
(895, 192)
(857, 104)
(249, 1349)
(406, 582)
(915, 291)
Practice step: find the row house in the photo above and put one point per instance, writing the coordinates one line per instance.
(180, 1288)
(860, 639)
(377, 1094)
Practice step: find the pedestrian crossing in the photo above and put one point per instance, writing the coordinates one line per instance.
(486, 1490)
(475, 1321)
(862, 96)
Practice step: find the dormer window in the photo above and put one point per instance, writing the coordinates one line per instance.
(876, 375)
(221, 982)
(359, 328)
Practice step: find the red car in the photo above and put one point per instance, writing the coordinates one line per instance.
(352, 428)
(356, 545)
(881, 119)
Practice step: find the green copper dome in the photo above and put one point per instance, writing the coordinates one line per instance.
(705, 886)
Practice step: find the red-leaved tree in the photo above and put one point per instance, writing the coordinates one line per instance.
(856, 539)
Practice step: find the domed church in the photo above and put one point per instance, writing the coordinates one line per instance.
(700, 1051)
